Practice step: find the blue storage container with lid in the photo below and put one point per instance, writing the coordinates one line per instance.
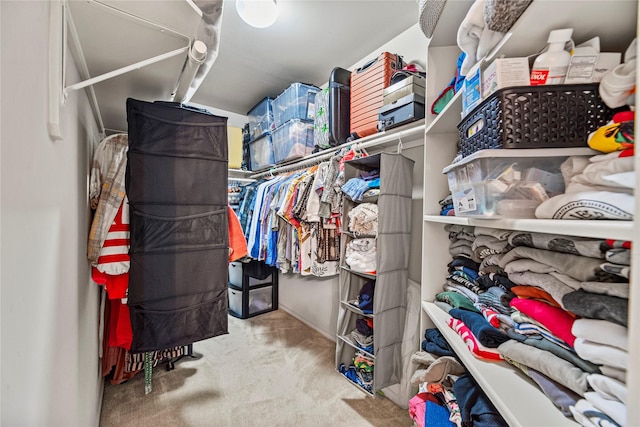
(261, 118)
(261, 153)
(293, 140)
(295, 102)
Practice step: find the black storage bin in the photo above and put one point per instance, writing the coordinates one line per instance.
(253, 289)
(405, 110)
(552, 116)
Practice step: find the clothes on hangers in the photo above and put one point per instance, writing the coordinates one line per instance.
(106, 189)
(292, 221)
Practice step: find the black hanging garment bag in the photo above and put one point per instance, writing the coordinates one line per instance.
(176, 183)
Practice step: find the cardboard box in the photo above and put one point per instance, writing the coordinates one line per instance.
(405, 87)
(588, 64)
(505, 72)
(234, 139)
(471, 91)
(606, 61)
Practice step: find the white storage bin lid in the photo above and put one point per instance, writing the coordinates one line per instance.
(523, 153)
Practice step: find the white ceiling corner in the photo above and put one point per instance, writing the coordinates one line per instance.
(308, 40)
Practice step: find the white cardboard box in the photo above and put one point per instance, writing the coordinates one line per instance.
(471, 90)
(505, 72)
(588, 64)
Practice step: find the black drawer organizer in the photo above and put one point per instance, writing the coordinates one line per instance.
(253, 288)
(552, 116)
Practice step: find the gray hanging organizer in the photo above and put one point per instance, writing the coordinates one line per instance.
(391, 278)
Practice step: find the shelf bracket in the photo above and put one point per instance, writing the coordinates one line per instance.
(59, 25)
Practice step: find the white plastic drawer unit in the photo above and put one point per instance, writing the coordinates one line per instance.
(237, 275)
(260, 300)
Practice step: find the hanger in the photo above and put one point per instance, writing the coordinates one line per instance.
(400, 146)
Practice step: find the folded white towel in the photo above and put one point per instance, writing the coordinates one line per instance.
(588, 205)
(600, 353)
(608, 387)
(601, 331)
(613, 408)
(618, 83)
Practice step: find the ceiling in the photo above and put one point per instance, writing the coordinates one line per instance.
(308, 40)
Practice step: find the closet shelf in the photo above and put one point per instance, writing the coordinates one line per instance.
(452, 14)
(605, 229)
(357, 273)
(351, 343)
(239, 173)
(355, 309)
(448, 119)
(357, 236)
(356, 385)
(518, 399)
(524, 38)
(369, 199)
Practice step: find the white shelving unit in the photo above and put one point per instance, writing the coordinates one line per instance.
(502, 383)
(519, 401)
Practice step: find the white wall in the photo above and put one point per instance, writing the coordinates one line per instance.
(315, 301)
(49, 307)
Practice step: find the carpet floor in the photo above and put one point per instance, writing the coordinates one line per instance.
(270, 370)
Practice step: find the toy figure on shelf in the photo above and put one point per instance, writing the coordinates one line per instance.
(617, 135)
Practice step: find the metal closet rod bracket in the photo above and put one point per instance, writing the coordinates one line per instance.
(61, 22)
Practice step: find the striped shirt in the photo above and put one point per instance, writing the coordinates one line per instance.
(114, 255)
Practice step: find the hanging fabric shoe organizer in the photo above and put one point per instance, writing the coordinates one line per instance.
(176, 182)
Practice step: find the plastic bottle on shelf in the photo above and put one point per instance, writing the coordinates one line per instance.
(550, 67)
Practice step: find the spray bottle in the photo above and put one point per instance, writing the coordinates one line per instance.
(550, 67)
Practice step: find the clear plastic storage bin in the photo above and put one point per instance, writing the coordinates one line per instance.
(260, 300)
(237, 276)
(261, 153)
(261, 118)
(508, 183)
(296, 102)
(293, 140)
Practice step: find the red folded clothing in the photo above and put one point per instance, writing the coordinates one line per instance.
(556, 320)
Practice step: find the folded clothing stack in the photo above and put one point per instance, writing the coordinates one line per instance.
(361, 255)
(363, 219)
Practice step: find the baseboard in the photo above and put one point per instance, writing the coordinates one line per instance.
(100, 398)
(301, 318)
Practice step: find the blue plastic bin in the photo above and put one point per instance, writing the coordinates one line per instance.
(296, 102)
(261, 118)
(293, 140)
(261, 152)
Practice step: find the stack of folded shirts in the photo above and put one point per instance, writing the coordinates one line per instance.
(361, 255)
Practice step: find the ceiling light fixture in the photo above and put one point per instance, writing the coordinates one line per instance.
(258, 13)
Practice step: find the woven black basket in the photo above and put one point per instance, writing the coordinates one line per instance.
(534, 117)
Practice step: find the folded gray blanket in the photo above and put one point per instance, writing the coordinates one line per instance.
(542, 343)
(547, 363)
(489, 262)
(496, 233)
(490, 242)
(544, 281)
(579, 267)
(618, 256)
(595, 306)
(552, 242)
(614, 289)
